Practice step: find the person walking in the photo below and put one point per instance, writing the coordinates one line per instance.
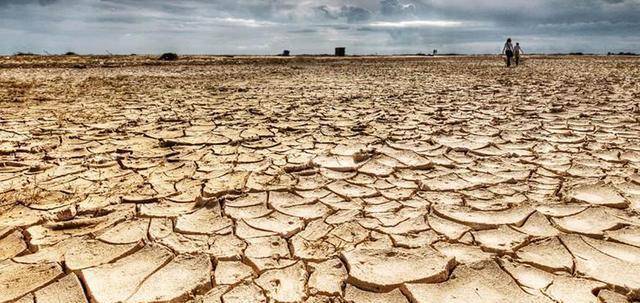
(508, 51)
(517, 51)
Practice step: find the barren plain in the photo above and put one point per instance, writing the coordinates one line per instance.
(407, 179)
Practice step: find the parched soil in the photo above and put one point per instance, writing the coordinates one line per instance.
(373, 179)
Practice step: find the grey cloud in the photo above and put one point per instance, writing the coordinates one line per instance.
(355, 14)
(395, 8)
(351, 14)
(327, 12)
(26, 2)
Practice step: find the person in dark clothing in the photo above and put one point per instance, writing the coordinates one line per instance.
(517, 51)
(508, 51)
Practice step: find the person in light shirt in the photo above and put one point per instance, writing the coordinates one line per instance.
(517, 51)
(508, 51)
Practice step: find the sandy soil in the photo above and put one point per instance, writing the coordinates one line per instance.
(217, 179)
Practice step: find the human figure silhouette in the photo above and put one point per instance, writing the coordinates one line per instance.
(517, 50)
(508, 51)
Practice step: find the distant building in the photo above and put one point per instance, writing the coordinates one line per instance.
(341, 51)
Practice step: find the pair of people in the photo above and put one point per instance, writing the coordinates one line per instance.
(512, 52)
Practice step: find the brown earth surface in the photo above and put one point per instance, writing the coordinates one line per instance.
(372, 179)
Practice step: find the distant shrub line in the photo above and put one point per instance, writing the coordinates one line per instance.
(168, 57)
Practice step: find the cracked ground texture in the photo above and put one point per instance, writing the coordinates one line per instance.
(319, 180)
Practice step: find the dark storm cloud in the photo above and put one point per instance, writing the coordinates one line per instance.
(351, 14)
(268, 26)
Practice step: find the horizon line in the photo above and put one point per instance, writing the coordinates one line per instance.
(419, 54)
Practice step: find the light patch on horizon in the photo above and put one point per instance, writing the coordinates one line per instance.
(416, 24)
(244, 22)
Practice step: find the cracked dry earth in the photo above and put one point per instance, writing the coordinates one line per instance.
(320, 180)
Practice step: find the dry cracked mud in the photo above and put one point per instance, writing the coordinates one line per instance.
(217, 179)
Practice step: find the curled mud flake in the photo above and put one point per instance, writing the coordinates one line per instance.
(482, 282)
(502, 240)
(376, 168)
(51, 253)
(285, 284)
(12, 245)
(177, 281)
(214, 295)
(570, 289)
(229, 183)
(450, 229)
(266, 247)
(250, 199)
(345, 189)
(244, 231)
(248, 212)
(608, 296)
(415, 240)
(327, 277)
(231, 272)
(116, 282)
(246, 292)
(126, 232)
(297, 206)
(450, 182)
(91, 253)
(592, 221)
(166, 209)
(201, 139)
(160, 228)
(226, 247)
(619, 251)
(207, 220)
(185, 244)
(337, 163)
(526, 275)
(66, 290)
(485, 219)
(463, 253)
(628, 235)
(17, 280)
(277, 223)
(537, 225)
(548, 254)
(356, 295)
(384, 269)
(598, 194)
(560, 210)
(600, 266)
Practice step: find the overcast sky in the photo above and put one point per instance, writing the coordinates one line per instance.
(305, 26)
